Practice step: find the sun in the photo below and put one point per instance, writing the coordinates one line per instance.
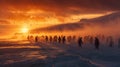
(24, 30)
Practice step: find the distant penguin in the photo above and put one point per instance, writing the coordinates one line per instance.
(97, 43)
(80, 42)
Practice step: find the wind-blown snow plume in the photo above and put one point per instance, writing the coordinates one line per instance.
(108, 24)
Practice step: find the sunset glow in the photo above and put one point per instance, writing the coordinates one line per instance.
(24, 30)
(15, 14)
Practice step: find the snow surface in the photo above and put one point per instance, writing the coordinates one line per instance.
(45, 54)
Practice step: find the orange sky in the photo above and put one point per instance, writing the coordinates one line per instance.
(15, 14)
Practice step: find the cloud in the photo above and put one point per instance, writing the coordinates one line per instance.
(4, 22)
(6, 29)
(62, 7)
(59, 5)
(45, 12)
(60, 10)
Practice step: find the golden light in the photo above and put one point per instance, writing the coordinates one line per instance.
(24, 30)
